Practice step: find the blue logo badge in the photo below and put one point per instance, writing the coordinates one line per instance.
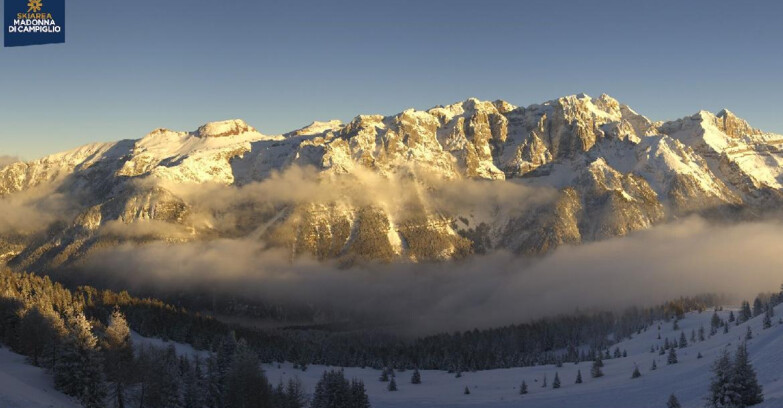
(30, 22)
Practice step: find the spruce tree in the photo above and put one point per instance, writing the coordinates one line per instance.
(467, 390)
(683, 340)
(636, 373)
(595, 371)
(79, 370)
(722, 393)
(672, 357)
(744, 379)
(332, 391)
(118, 357)
(523, 388)
(654, 366)
(578, 376)
(246, 384)
(543, 385)
(416, 377)
(359, 397)
(673, 402)
(392, 385)
(749, 334)
(556, 381)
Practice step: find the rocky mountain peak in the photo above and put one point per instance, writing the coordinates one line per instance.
(224, 128)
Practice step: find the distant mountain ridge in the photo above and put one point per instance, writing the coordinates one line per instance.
(611, 170)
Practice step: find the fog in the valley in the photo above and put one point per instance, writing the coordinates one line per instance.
(684, 258)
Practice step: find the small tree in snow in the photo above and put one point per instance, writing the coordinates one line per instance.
(672, 357)
(673, 402)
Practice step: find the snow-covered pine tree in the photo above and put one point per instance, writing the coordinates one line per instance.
(332, 391)
(543, 385)
(595, 371)
(744, 379)
(767, 319)
(392, 385)
(467, 390)
(556, 381)
(654, 366)
(578, 376)
(246, 384)
(636, 373)
(79, 370)
(672, 357)
(359, 397)
(523, 388)
(673, 402)
(416, 377)
(118, 357)
(745, 312)
(749, 334)
(722, 393)
(683, 340)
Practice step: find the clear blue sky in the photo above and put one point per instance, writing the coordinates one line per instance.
(128, 67)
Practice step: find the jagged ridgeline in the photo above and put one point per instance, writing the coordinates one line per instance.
(419, 185)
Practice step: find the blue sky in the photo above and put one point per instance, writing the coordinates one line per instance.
(129, 67)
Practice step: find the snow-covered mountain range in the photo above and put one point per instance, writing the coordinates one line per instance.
(578, 169)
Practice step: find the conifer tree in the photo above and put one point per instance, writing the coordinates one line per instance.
(767, 319)
(246, 385)
(556, 381)
(578, 376)
(79, 371)
(118, 357)
(683, 340)
(721, 390)
(392, 385)
(523, 388)
(595, 371)
(654, 366)
(359, 397)
(636, 373)
(749, 334)
(744, 379)
(332, 391)
(416, 377)
(673, 402)
(467, 390)
(672, 357)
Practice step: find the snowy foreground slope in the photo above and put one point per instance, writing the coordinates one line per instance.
(25, 386)
(688, 379)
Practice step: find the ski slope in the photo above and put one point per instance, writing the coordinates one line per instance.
(688, 379)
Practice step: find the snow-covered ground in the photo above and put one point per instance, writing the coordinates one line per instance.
(25, 386)
(688, 379)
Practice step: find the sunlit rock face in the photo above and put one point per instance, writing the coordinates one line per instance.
(374, 187)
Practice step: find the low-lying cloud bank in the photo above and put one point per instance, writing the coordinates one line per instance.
(684, 258)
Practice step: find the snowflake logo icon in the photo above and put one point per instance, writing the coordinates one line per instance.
(35, 5)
